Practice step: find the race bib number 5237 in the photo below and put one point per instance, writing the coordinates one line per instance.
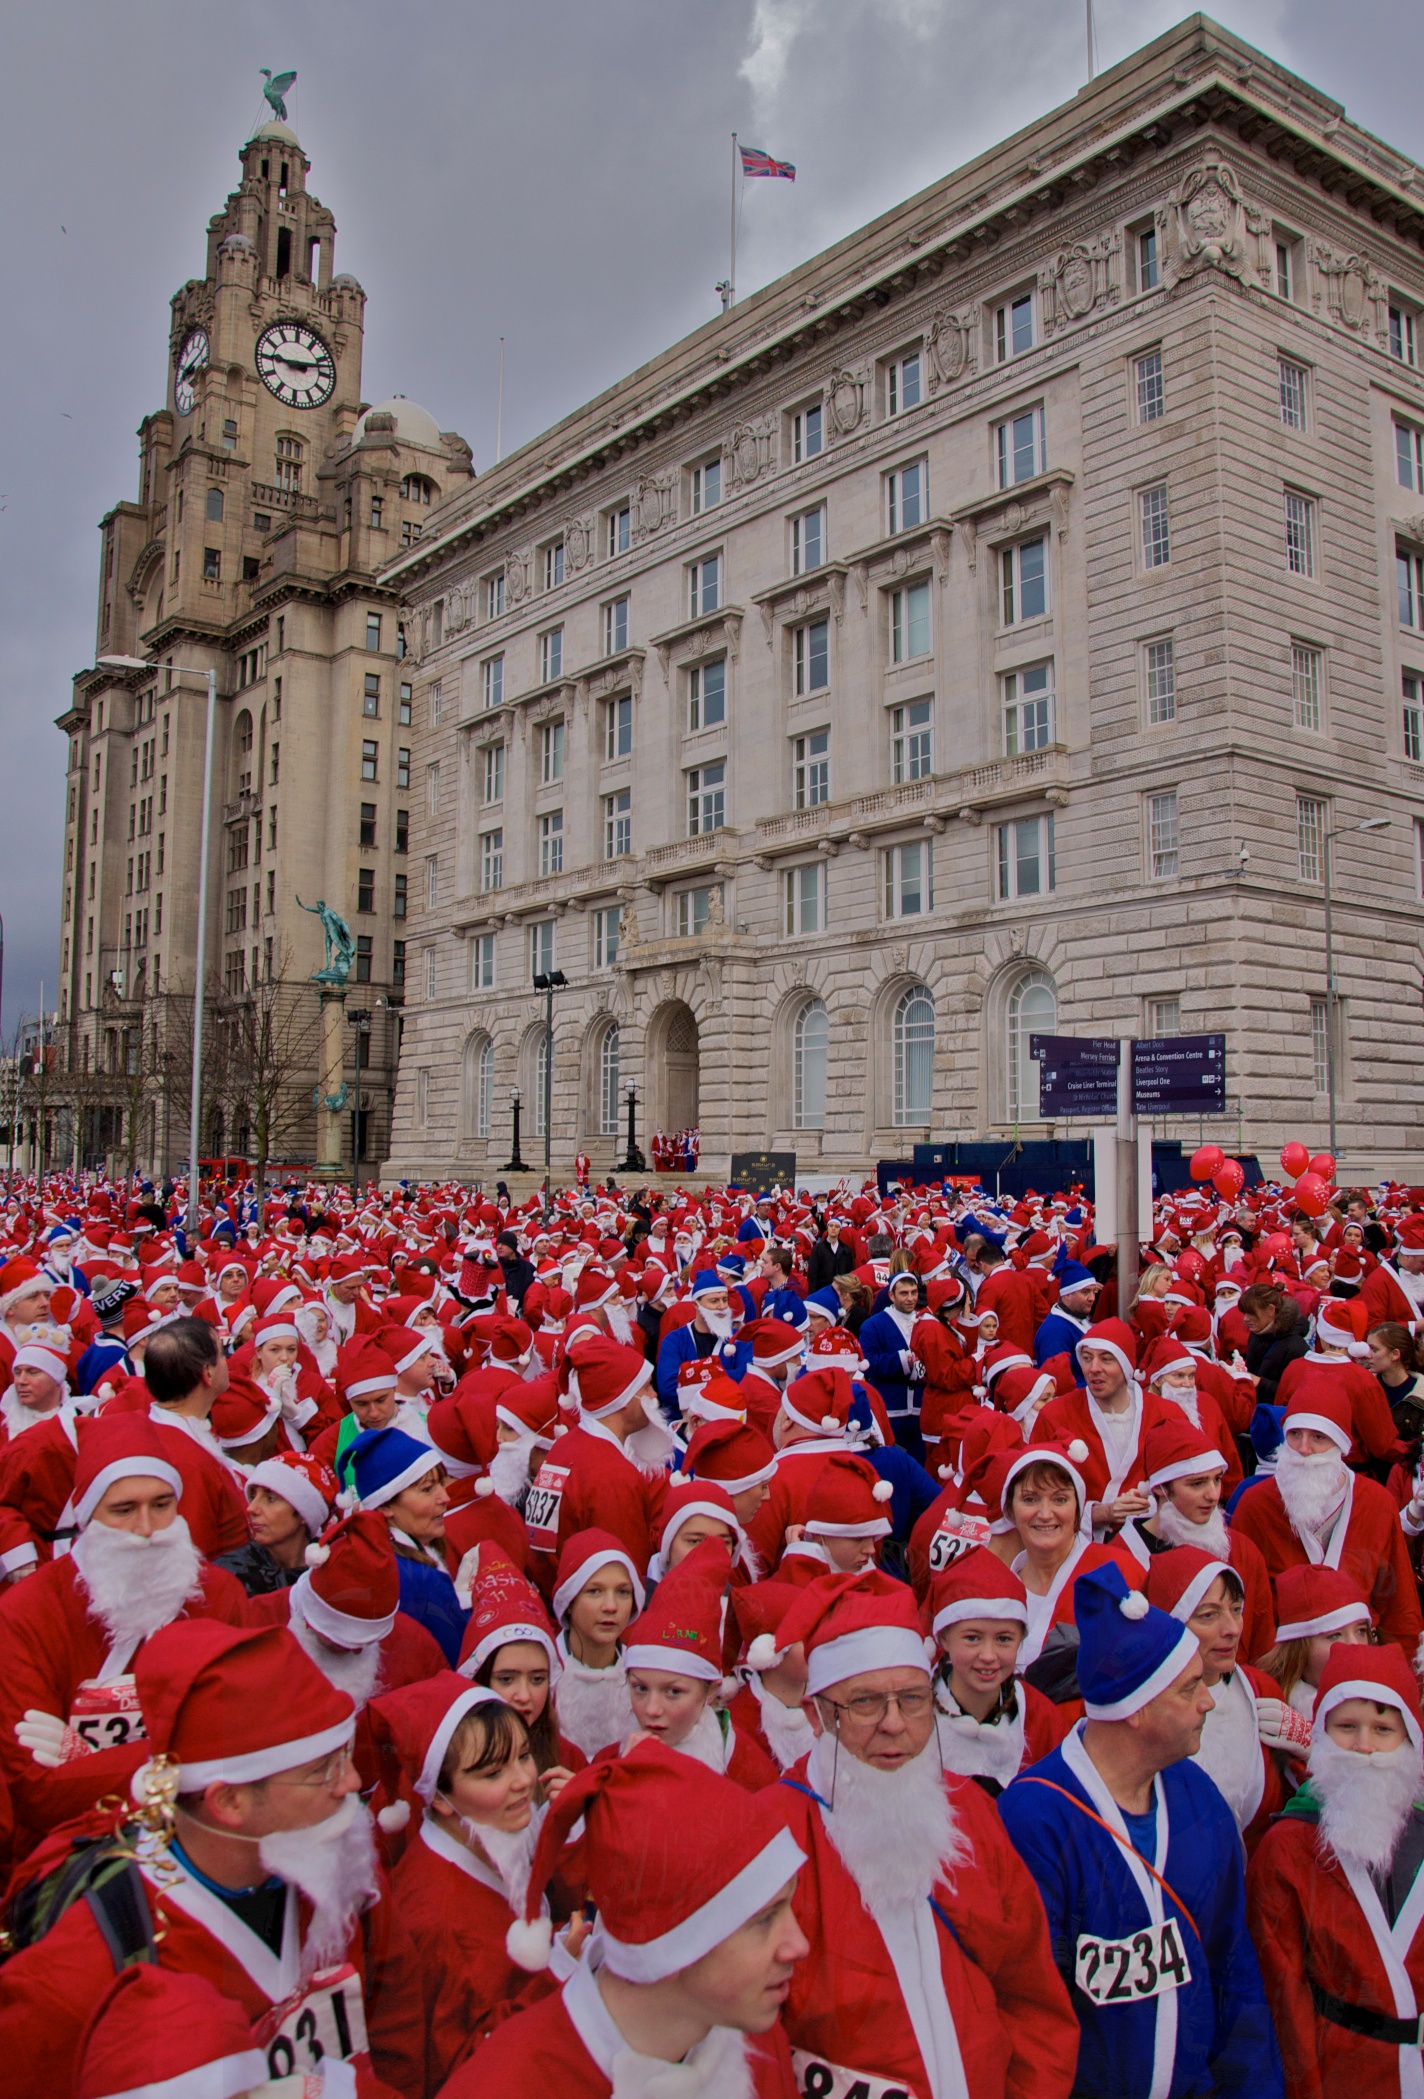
(1125, 1971)
(817, 2079)
(541, 1510)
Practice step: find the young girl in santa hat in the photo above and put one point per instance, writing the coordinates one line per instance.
(991, 1724)
(509, 1648)
(1317, 1608)
(595, 1596)
(673, 1655)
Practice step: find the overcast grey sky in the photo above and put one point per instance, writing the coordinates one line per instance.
(550, 172)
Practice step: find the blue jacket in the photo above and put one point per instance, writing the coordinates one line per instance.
(1225, 2043)
(881, 1344)
(1058, 1336)
(680, 1347)
(427, 1594)
(101, 1355)
(914, 1490)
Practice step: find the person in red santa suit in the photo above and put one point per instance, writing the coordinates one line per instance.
(1314, 1511)
(930, 1968)
(1319, 1608)
(1395, 1289)
(484, 1485)
(1250, 1723)
(1174, 1375)
(290, 1497)
(1339, 1355)
(1335, 1895)
(185, 1373)
(1111, 1416)
(510, 1648)
(770, 1705)
(38, 1388)
(947, 1400)
(812, 1425)
(610, 1471)
(467, 1769)
(71, 1722)
(1185, 1475)
(1044, 1497)
(673, 1656)
(175, 2034)
(991, 1724)
(683, 1983)
(259, 1869)
(597, 1592)
(960, 1516)
(693, 1512)
(846, 1513)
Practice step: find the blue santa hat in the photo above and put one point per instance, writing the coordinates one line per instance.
(706, 1279)
(1128, 1651)
(57, 1232)
(794, 1314)
(826, 1301)
(382, 1462)
(731, 1265)
(1072, 1276)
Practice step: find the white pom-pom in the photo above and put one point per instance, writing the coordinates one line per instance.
(347, 1499)
(882, 1490)
(946, 1472)
(729, 1687)
(394, 1817)
(530, 1945)
(1135, 1605)
(763, 1652)
(829, 1422)
(316, 1554)
(484, 1487)
(1078, 1450)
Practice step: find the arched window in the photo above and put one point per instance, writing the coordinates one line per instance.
(541, 1067)
(914, 1030)
(215, 506)
(1033, 1010)
(479, 1085)
(608, 1096)
(416, 488)
(808, 1067)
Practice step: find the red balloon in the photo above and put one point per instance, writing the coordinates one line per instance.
(1311, 1194)
(1294, 1159)
(1229, 1179)
(1206, 1162)
(1324, 1165)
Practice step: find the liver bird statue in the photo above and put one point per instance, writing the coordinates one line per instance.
(275, 90)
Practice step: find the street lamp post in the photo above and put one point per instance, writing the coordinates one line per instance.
(514, 1164)
(549, 981)
(634, 1162)
(1373, 823)
(360, 1019)
(200, 959)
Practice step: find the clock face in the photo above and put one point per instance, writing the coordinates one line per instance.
(294, 364)
(191, 359)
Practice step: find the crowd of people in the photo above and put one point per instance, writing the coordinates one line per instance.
(704, 1644)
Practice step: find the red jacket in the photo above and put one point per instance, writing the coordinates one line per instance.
(1370, 1418)
(1016, 1298)
(1373, 1551)
(589, 1483)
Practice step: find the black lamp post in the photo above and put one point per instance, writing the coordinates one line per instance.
(634, 1162)
(360, 1019)
(549, 981)
(514, 1164)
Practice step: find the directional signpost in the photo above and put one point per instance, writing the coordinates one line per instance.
(1076, 1076)
(1179, 1075)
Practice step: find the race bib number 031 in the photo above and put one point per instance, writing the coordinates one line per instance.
(1125, 1971)
(816, 2079)
(541, 1510)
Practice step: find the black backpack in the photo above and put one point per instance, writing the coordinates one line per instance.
(103, 1872)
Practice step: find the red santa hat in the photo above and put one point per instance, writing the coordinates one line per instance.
(1317, 1403)
(850, 1623)
(681, 1628)
(272, 1294)
(1176, 1449)
(1380, 1674)
(1178, 1580)
(1117, 1337)
(820, 1400)
(582, 1557)
(35, 1356)
(464, 1434)
(171, 2031)
(530, 1407)
(116, 1447)
(709, 1854)
(1410, 1236)
(363, 1369)
(839, 1343)
(1337, 1325)
(697, 1498)
(1067, 1457)
(275, 1326)
(1167, 1354)
(594, 1289)
(775, 1342)
(140, 1321)
(20, 1278)
(757, 1610)
(848, 1499)
(504, 1607)
(609, 1375)
(302, 1480)
(404, 1346)
(243, 1413)
(350, 1591)
(1311, 1600)
(508, 1340)
(733, 1453)
(347, 1266)
(418, 1721)
(976, 1586)
(231, 1705)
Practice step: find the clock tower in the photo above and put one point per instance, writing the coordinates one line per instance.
(269, 496)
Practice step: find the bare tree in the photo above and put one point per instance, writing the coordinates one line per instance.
(271, 1050)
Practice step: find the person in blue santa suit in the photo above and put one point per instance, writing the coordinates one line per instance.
(59, 1243)
(1066, 1324)
(403, 1478)
(895, 1373)
(1140, 1868)
(708, 1332)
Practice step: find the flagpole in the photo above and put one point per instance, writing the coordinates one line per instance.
(1092, 43)
(732, 274)
(499, 409)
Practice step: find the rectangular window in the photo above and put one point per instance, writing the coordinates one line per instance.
(492, 860)
(1402, 333)
(810, 655)
(704, 585)
(1300, 534)
(618, 824)
(373, 632)
(432, 788)
(551, 655)
(618, 728)
(1160, 665)
(1156, 537)
(551, 843)
(908, 885)
(1162, 842)
(606, 927)
(1147, 272)
(402, 830)
(907, 497)
(212, 565)
(1409, 456)
(1320, 1044)
(805, 435)
(402, 767)
(482, 962)
(911, 742)
(1027, 862)
(366, 889)
(551, 754)
(1409, 579)
(909, 623)
(368, 825)
(1285, 268)
(371, 696)
(422, 1098)
(432, 881)
(494, 595)
(368, 760)
(1024, 578)
(1028, 710)
(541, 950)
(694, 907)
(1013, 327)
(902, 383)
(706, 798)
(1413, 719)
(1020, 447)
(803, 891)
(436, 703)
(554, 565)
(492, 681)
(493, 788)
(615, 627)
(1164, 1016)
(808, 540)
(430, 972)
(1151, 392)
(619, 531)
(811, 769)
(1292, 394)
(706, 486)
(1310, 834)
(707, 695)
(403, 714)
(1306, 666)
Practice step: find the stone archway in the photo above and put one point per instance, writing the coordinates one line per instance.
(672, 1057)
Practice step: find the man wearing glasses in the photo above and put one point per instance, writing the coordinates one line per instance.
(947, 1988)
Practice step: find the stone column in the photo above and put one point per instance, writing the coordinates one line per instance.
(333, 1058)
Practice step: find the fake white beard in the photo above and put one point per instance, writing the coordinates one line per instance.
(18, 1417)
(1364, 1800)
(705, 1741)
(787, 1730)
(334, 1865)
(324, 1351)
(895, 1830)
(720, 1323)
(1211, 1536)
(1311, 1487)
(510, 1852)
(620, 1326)
(717, 2068)
(650, 1448)
(1190, 1406)
(509, 1473)
(59, 1260)
(356, 1671)
(138, 1584)
(593, 1706)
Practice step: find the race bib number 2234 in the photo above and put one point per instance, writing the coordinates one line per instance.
(1125, 1971)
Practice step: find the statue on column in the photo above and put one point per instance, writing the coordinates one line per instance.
(340, 947)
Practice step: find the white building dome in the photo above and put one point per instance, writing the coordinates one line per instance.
(413, 423)
(281, 134)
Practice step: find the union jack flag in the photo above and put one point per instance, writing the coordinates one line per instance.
(755, 162)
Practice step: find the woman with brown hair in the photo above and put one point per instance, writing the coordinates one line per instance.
(1278, 1336)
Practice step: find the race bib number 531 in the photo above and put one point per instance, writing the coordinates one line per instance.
(816, 2079)
(1125, 1971)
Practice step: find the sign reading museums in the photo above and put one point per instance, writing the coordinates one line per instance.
(1171, 1075)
